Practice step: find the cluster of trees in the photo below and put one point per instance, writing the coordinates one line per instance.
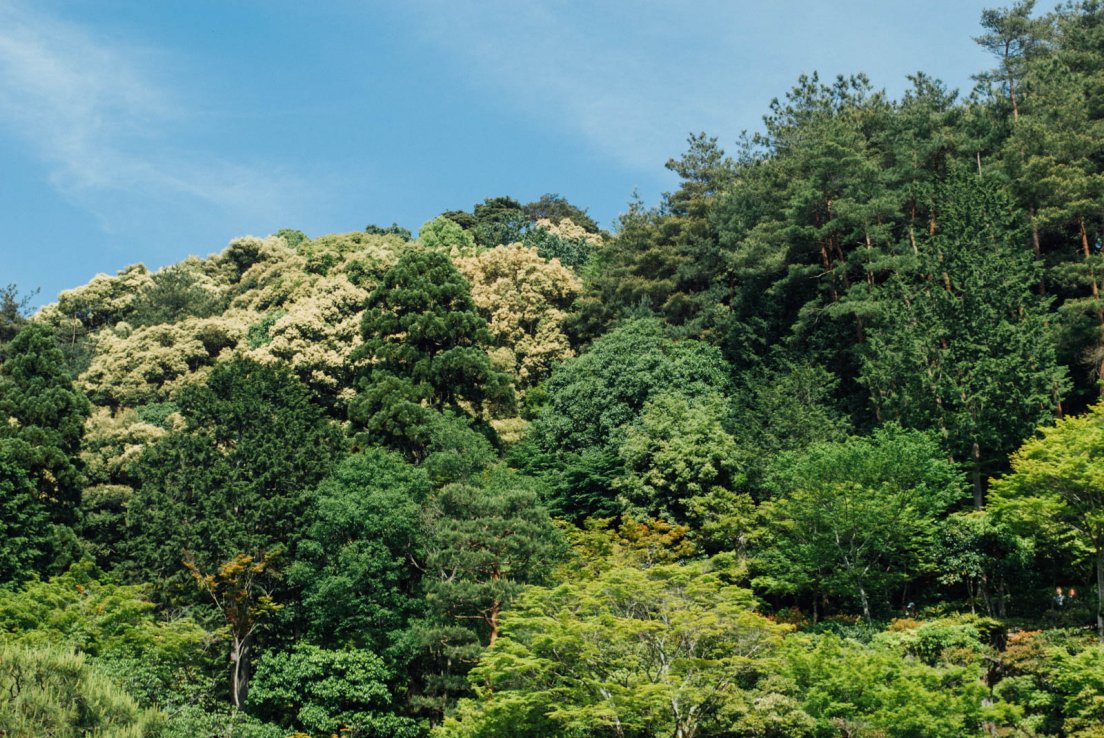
(811, 448)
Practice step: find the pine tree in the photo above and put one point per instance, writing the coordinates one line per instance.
(963, 343)
(44, 417)
(423, 344)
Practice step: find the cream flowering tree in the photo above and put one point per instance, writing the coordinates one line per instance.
(143, 365)
(317, 336)
(524, 298)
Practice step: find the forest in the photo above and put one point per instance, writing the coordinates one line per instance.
(812, 447)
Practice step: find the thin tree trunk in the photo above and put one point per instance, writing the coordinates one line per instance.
(975, 474)
(1036, 245)
(865, 602)
(241, 657)
(1100, 590)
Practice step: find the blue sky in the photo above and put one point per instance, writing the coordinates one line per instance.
(147, 131)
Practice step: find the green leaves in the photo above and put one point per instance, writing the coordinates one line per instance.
(328, 692)
(1056, 490)
(661, 651)
(43, 419)
(423, 344)
(854, 518)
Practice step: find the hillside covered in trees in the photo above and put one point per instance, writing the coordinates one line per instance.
(812, 447)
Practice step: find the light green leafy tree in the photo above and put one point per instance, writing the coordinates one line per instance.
(667, 651)
(855, 518)
(1056, 489)
(676, 453)
(55, 692)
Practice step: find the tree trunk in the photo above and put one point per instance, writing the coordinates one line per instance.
(241, 659)
(1036, 245)
(1092, 272)
(975, 475)
(492, 621)
(1100, 590)
(865, 602)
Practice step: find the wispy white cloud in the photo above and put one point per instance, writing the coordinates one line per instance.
(90, 110)
(633, 79)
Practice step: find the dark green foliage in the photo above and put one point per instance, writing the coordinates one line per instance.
(498, 220)
(175, 293)
(392, 230)
(328, 692)
(667, 260)
(258, 332)
(780, 372)
(423, 339)
(556, 208)
(13, 312)
(157, 413)
(963, 344)
(572, 252)
(589, 399)
(355, 563)
(237, 479)
(784, 409)
(455, 450)
(976, 552)
(44, 419)
(25, 534)
(482, 542)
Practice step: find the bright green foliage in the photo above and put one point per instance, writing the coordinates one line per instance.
(423, 341)
(859, 690)
(482, 542)
(326, 692)
(1079, 682)
(855, 518)
(354, 566)
(1056, 490)
(216, 721)
(236, 479)
(677, 452)
(161, 661)
(1050, 683)
(671, 650)
(444, 235)
(963, 345)
(57, 693)
(557, 209)
(42, 418)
